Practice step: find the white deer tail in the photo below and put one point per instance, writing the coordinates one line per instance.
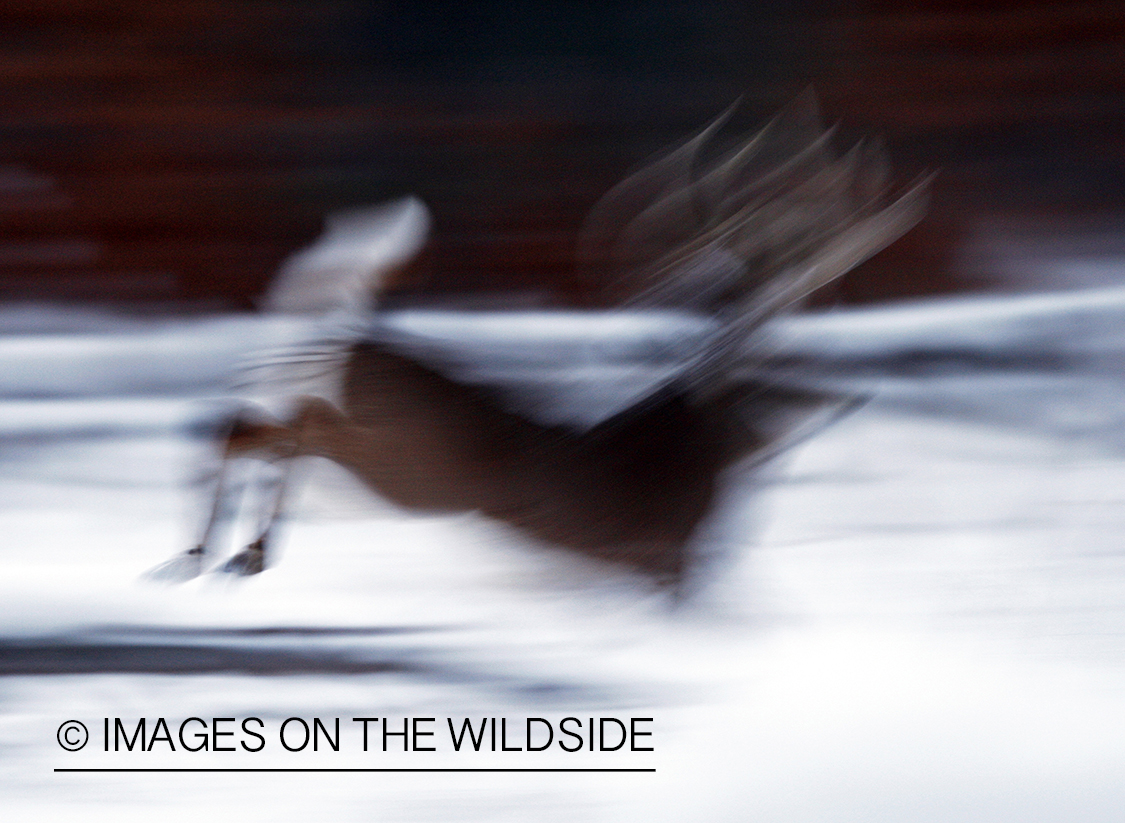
(347, 266)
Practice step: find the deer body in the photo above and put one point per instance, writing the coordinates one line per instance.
(739, 241)
(630, 490)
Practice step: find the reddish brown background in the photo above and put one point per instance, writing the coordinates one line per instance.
(158, 152)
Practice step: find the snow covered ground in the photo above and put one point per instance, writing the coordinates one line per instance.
(922, 617)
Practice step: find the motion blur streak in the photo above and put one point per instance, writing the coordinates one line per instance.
(914, 616)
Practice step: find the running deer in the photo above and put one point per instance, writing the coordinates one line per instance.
(732, 243)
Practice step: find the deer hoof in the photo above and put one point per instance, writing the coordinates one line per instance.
(251, 560)
(179, 569)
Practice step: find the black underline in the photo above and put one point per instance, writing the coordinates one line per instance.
(361, 770)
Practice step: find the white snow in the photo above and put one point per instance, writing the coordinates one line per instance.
(922, 617)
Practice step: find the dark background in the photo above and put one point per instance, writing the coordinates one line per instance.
(175, 152)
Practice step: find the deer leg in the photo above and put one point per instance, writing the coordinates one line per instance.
(192, 563)
(253, 558)
(283, 444)
(244, 438)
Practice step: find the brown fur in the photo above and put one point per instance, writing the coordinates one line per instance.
(741, 238)
(631, 490)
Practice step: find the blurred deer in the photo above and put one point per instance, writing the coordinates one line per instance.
(735, 241)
